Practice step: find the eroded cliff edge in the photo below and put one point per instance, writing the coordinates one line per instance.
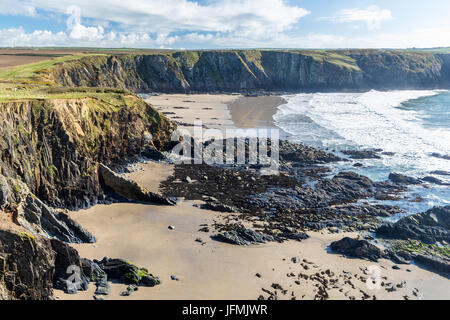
(242, 70)
(52, 143)
(53, 137)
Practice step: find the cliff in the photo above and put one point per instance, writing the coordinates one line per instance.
(242, 70)
(54, 145)
(52, 142)
(61, 122)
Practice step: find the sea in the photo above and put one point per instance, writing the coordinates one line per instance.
(412, 127)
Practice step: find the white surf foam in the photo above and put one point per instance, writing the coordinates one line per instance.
(367, 120)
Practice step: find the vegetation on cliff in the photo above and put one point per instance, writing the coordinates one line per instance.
(52, 140)
(243, 70)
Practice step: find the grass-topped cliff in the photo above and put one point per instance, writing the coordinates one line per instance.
(63, 117)
(52, 137)
(52, 142)
(242, 70)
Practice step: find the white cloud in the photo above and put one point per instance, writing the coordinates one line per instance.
(167, 16)
(220, 23)
(14, 7)
(77, 30)
(372, 16)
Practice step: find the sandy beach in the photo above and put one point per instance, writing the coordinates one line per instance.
(215, 270)
(219, 111)
(209, 269)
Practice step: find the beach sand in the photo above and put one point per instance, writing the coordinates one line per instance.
(218, 111)
(254, 112)
(213, 270)
(210, 109)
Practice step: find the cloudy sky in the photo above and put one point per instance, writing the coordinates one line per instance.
(226, 23)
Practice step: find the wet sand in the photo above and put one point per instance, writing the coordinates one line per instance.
(215, 270)
(254, 112)
(210, 109)
(218, 111)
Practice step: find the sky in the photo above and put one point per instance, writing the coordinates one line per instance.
(190, 24)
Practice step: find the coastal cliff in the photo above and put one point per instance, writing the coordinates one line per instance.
(244, 70)
(62, 121)
(54, 146)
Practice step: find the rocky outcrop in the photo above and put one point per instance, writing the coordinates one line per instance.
(129, 189)
(50, 150)
(355, 248)
(429, 227)
(67, 264)
(242, 70)
(402, 179)
(26, 266)
(32, 214)
(126, 272)
(243, 237)
(54, 146)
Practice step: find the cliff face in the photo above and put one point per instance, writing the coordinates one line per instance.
(54, 145)
(26, 266)
(204, 71)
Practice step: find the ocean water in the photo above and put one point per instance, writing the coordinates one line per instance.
(413, 125)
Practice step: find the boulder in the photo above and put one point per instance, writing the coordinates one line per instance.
(357, 249)
(126, 272)
(242, 237)
(69, 275)
(129, 189)
(402, 179)
(429, 227)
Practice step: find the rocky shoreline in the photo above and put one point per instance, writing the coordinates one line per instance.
(266, 208)
(301, 198)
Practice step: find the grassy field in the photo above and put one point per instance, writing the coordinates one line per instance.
(30, 71)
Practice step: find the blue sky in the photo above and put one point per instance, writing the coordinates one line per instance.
(226, 23)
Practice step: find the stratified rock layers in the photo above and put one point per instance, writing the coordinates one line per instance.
(241, 70)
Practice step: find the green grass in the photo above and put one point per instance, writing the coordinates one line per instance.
(338, 59)
(11, 92)
(32, 70)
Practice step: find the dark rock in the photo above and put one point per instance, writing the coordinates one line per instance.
(26, 266)
(96, 275)
(429, 227)
(362, 154)
(130, 189)
(441, 173)
(438, 264)
(433, 180)
(130, 289)
(241, 236)
(126, 272)
(441, 156)
(402, 179)
(397, 257)
(213, 206)
(68, 268)
(357, 248)
(299, 236)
